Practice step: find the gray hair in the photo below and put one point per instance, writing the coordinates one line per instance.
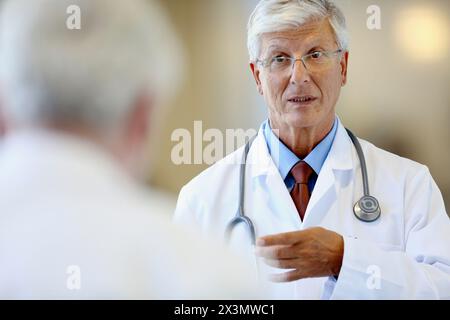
(282, 15)
(91, 76)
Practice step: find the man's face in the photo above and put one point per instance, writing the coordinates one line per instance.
(281, 90)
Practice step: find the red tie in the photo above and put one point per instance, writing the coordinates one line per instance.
(300, 193)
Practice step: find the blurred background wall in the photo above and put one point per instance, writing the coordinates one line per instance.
(397, 96)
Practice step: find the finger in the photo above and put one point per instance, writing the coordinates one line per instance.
(287, 238)
(276, 252)
(286, 276)
(284, 263)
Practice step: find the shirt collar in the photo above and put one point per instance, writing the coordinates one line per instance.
(286, 159)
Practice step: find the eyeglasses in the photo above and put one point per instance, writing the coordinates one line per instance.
(316, 61)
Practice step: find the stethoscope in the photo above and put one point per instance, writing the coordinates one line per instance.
(366, 209)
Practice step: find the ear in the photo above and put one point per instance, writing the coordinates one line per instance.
(2, 125)
(2, 118)
(139, 121)
(130, 148)
(344, 67)
(256, 74)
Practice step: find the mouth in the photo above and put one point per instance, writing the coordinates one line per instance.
(302, 100)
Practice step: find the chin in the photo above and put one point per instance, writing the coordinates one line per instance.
(303, 119)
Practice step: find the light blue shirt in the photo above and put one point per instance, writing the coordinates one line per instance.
(287, 159)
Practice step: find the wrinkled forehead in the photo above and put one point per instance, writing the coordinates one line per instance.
(311, 34)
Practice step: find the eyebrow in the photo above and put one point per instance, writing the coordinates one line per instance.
(274, 47)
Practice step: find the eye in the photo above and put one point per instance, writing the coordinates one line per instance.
(279, 59)
(316, 55)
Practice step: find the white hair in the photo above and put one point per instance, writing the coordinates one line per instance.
(281, 15)
(91, 76)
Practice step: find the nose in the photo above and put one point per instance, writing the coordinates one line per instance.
(299, 72)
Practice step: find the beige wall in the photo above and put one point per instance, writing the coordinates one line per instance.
(393, 99)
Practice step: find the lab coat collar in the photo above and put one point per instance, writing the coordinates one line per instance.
(341, 153)
(259, 157)
(338, 164)
(339, 158)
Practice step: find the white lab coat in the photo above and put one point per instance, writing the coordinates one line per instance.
(73, 225)
(405, 254)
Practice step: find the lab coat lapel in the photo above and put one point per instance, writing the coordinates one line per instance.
(270, 194)
(324, 198)
(271, 209)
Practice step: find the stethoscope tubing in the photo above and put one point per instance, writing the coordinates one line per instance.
(359, 208)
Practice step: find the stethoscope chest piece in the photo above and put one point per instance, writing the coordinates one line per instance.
(367, 209)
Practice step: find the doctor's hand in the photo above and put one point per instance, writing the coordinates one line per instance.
(314, 252)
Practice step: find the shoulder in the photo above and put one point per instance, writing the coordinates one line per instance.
(211, 192)
(391, 162)
(223, 171)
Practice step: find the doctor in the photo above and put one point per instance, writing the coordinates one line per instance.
(303, 177)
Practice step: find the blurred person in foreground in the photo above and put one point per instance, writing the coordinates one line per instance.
(75, 114)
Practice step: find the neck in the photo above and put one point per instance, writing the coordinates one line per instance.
(301, 140)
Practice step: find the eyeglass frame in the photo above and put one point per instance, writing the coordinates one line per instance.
(266, 62)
